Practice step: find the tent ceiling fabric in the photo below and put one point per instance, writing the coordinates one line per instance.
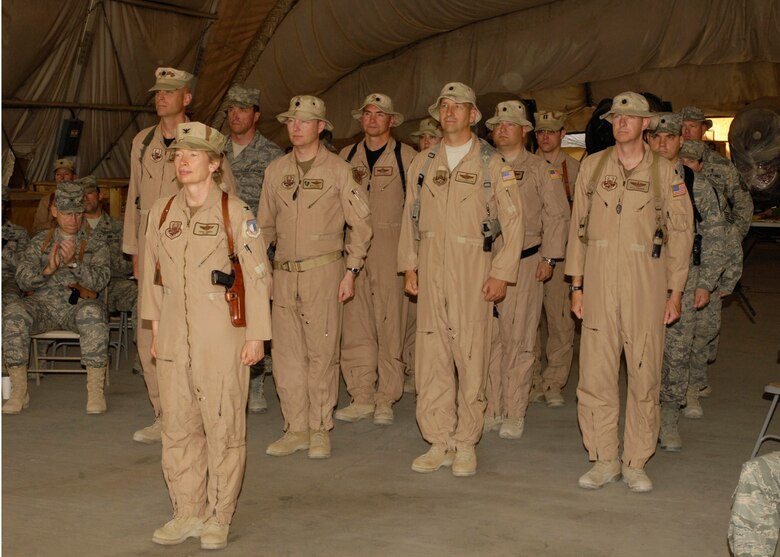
(566, 54)
(677, 50)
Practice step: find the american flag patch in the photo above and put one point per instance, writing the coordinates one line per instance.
(554, 174)
(678, 190)
(507, 175)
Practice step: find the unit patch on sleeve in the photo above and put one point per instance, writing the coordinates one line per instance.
(519, 175)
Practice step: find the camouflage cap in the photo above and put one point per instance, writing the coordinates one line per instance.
(198, 137)
(458, 92)
(695, 114)
(551, 121)
(69, 197)
(243, 97)
(692, 150)
(89, 183)
(628, 104)
(67, 164)
(383, 103)
(171, 79)
(428, 126)
(305, 107)
(666, 122)
(509, 111)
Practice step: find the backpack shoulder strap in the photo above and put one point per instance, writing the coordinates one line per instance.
(145, 145)
(400, 164)
(352, 152)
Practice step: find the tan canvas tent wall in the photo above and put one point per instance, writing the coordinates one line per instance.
(566, 54)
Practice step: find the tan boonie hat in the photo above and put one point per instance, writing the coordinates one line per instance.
(64, 163)
(551, 121)
(458, 92)
(198, 137)
(89, 183)
(69, 197)
(305, 107)
(383, 103)
(170, 79)
(510, 111)
(695, 114)
(428, 126)
(243, 97)
(628, 104)
(692, 150)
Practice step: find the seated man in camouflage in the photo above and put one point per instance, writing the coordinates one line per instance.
(15, 240)
(63, 269)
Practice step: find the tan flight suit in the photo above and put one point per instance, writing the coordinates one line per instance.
(453, 319)
(624, 296)
(151, 179)
(304, 214)
(546, 215)
(373, 327)
(557, 305)
(203, 385)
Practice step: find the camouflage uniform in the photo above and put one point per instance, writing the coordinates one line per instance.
(15, 240)
(249, 167)
(47, 308)
(122, 291)
(685, 349)
(737, 206)
(755, 515)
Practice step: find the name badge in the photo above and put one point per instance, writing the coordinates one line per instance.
(637, 185)
(310, 184)
(466, 177)
(383, 171)
(205, 229)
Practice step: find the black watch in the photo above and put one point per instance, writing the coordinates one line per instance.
(353, 270)
(573, 288)
(550, 262)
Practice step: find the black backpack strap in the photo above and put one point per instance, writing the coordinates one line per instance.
(146, 142)
(400, 163)
(689, 177)
(352, 152)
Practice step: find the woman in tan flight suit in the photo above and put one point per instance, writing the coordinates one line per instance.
(202, 359)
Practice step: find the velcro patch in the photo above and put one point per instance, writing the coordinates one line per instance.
(466, 177)
(678, 190)
(554, 174)
(637, 185)
(310, 184)
(383, 171)
(251, 228)
(507, 174)
(609, 183)
(519, 174)
(205, 229)
(174, 229)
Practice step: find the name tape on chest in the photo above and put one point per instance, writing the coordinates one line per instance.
(206, 229)
(383, 171)
(638, 185)
(466, 177)
(313, 184)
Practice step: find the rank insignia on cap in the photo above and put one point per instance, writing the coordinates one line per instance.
(679, 190)
(185, 130)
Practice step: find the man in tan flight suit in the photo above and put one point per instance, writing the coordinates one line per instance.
(64, 171)
(621, 270)
(547, 385)
(427, 135)
(373, 327)
(546, 215)
(307, 197)
(462, 192)
(153, 176)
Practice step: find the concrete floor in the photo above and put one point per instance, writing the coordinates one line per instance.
(75, 485)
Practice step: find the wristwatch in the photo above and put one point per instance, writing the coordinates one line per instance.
(353, 270)
(550, 262)
(73, 265)
(573, 288)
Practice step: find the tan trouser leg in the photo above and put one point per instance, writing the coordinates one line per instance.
(359, 344)
(560, 331)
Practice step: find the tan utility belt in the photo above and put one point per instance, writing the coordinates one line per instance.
(307, 264)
